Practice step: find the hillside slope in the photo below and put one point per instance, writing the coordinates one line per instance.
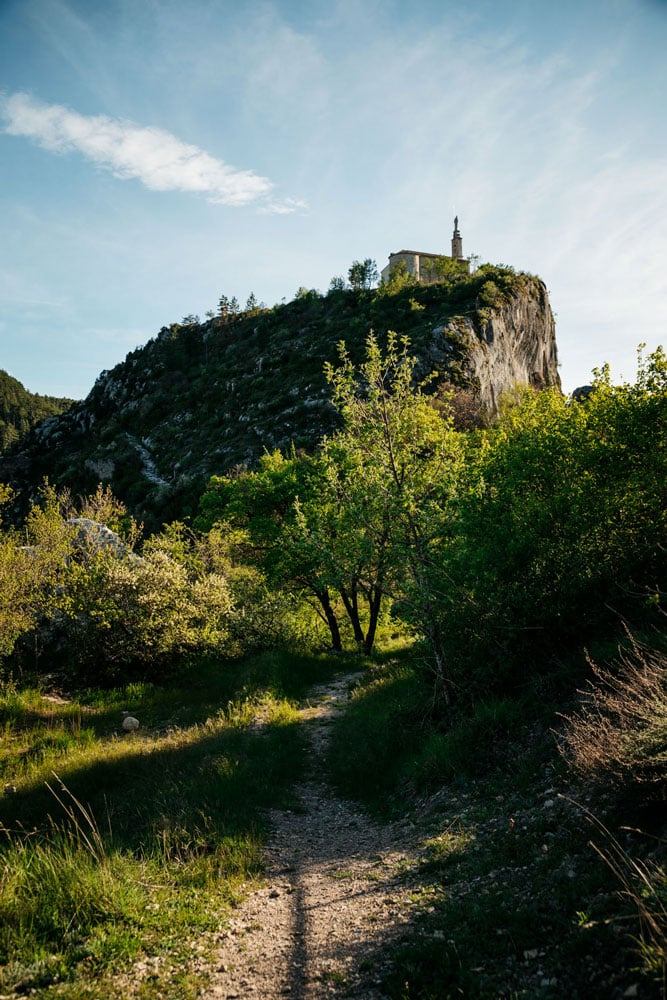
(20, 410)
(201, 398)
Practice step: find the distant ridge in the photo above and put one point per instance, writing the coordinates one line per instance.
(21, 410)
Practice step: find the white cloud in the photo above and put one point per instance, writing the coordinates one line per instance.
(284, 207)
(155, 157)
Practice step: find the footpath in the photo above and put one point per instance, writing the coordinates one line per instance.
(335, 895)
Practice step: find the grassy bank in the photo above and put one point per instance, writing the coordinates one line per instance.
(121, 852)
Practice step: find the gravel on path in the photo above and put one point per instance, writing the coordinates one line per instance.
(334, 897)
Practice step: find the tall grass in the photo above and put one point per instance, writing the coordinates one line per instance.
(618, 736)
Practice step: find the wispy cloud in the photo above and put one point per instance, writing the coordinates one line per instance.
(158, 159)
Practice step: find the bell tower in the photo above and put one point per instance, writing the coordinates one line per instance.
(457, 242)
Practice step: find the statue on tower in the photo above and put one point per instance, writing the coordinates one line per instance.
(457, 242)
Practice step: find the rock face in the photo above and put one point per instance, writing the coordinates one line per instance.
(518, 347)
(510, 346)
(200, 398)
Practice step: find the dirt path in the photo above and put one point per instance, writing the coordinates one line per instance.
(333, 899)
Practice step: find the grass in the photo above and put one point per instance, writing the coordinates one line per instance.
(401, 751)
(512, 898)
(120, 853)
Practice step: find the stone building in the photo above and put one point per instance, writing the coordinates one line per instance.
(425, 266)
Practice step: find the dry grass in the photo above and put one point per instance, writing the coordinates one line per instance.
(618, 737)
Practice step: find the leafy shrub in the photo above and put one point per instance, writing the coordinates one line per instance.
(490, 294)
(29, 573)
(560, 525)
(96, 608)
(116, 614)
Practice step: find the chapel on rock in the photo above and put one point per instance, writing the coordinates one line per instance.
(427, 267)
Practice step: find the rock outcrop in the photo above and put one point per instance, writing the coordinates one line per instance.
(511, 345)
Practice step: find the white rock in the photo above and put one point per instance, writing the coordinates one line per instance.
(130, 723)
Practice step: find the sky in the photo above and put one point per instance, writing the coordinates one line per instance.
(157, 154)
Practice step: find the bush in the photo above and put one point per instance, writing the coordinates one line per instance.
(96, 608)
(29, 573)
(128, 614)
(560, 526)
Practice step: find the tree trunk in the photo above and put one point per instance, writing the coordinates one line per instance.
(351, 603)
(331, 620)
(374, 605)
(442, 689)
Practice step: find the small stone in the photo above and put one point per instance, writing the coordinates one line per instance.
(632, 991)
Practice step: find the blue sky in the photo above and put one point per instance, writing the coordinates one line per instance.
(155, 154)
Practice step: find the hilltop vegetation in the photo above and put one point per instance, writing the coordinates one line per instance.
(201, 398)
(21, 410)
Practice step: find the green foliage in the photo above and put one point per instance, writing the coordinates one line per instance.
(271, 508)
(490, 294)
(21, 410)
(29, 573)
(443, 269)
(363, 274)
(359, 518)
(399, 278)
(391, 471)
(337, 285)
(98, 610)
(118, 616)
(561, 525)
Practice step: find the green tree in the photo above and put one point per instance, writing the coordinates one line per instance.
(337, 284)
(363, 274)
(443, 269)
(399, 278)
(391, 472)
(267, 506)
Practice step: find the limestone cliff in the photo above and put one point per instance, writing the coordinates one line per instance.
(509, 344)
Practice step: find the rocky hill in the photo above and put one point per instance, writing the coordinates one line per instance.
(20, 410)
(200, 398)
